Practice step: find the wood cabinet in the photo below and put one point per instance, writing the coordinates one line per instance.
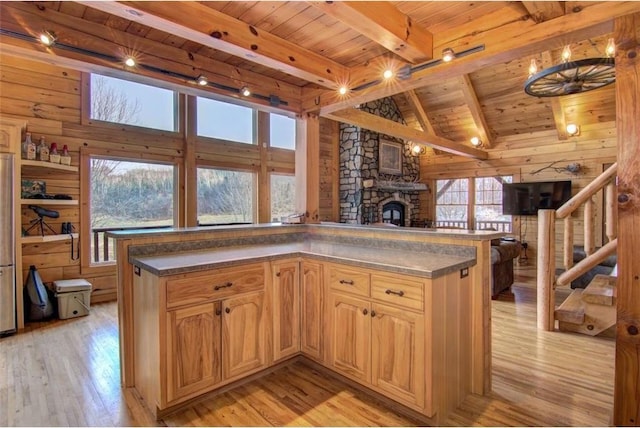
(311, 309)
(286, 308)
(243, 335)
(194, 345)
(377, 332)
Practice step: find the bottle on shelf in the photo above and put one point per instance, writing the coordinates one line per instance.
(54, 156)
(28, 148)
(65, 158)
(43, 150)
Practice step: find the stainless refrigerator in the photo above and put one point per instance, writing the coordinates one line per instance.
(7, 247)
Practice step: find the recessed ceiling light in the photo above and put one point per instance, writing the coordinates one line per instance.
(573, 129)
(343, 90)
(476, 142)
(134, 12)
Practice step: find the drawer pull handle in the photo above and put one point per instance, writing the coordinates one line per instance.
(225, 285)
(227, 310)
(397, 293)
(346, 281)
(365, 311)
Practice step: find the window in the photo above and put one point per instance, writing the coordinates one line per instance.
(452, 201)
(127, 195)
(283, 196)
(226, 196)
(130, 103)
(488, 204)
(282, 131)
(225, 121)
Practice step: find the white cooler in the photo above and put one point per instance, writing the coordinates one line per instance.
(74, 297)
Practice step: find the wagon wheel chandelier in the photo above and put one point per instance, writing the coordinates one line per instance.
(572, 77)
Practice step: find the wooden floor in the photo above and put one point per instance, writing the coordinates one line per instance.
(66, 373)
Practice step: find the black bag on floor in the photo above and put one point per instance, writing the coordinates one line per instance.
(37, 305)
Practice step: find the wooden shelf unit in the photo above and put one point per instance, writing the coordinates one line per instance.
(49, 201)
(43, 164)
(47, 238)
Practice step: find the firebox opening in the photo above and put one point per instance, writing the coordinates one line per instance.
(393, 212)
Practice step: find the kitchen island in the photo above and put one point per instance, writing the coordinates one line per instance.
(403, 313)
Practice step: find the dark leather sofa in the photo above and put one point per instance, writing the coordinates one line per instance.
(502, 255)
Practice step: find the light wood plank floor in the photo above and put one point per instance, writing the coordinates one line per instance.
(66, 373)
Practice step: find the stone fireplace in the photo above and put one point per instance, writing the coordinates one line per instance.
(362, 198)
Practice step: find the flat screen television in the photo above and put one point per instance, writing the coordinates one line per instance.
(528, 198)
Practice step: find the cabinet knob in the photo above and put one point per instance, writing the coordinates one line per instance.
(365, 311)
(278, 274)
(373, 314)
(227, 310)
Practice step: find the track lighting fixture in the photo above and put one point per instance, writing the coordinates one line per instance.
(47, 38)
(448, 54)
(417, 149)
(130, 62)
(388, 74)
(343, 90)
(245, 91)
(202, 80)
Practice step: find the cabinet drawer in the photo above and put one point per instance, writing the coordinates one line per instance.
(398, 291)
(214, 285)
(349, 280)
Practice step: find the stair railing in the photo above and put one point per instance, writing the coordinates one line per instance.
(546, 242)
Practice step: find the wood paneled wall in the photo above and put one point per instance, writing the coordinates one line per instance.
(50, 99)
(534, 157)
(329, 170)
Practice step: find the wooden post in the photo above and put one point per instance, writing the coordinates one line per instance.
(190, 168)
(546, 269)
(611, 212)
(264, 179)
(308, 167)
(626, 402)
(568, 242)
(589, 244)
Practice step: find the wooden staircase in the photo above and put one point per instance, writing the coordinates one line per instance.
(592, 310)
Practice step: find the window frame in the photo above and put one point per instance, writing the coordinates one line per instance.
(254, 198)
(86, 120)
(86, 155)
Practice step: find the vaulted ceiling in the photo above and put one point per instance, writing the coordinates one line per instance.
(296, 54)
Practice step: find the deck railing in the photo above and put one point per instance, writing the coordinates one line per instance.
(499, 225)
(101, 244)
(546, 242)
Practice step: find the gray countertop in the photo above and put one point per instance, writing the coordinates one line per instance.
(427, 265)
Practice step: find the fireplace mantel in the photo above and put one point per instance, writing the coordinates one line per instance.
(394, 185)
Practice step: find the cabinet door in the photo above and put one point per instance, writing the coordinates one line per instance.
(397, 354)
(193, 342)
(349, 336)
(311, 310)
(286, 309)
(243, 334)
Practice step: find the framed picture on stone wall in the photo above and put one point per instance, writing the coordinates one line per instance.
(390, 157)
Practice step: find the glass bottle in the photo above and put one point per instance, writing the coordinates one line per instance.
(43, 150)
(25, 145)
(65, 159)
(54, 157)
(31, 148)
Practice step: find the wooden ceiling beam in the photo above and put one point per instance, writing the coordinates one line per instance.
(502, 44)
(197, 22)
(389, 127)
(556, 105)
(541, 11)
(475, 108)
(383, 23)
(418, 110)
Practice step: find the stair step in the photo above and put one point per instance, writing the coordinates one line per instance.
(572, 309)
(597, 319)
(601, 290)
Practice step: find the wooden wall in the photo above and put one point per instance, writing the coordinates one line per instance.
(50, 99)
(522, 156)
(329, 170)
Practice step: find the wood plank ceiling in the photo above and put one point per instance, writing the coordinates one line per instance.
(295, 55)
